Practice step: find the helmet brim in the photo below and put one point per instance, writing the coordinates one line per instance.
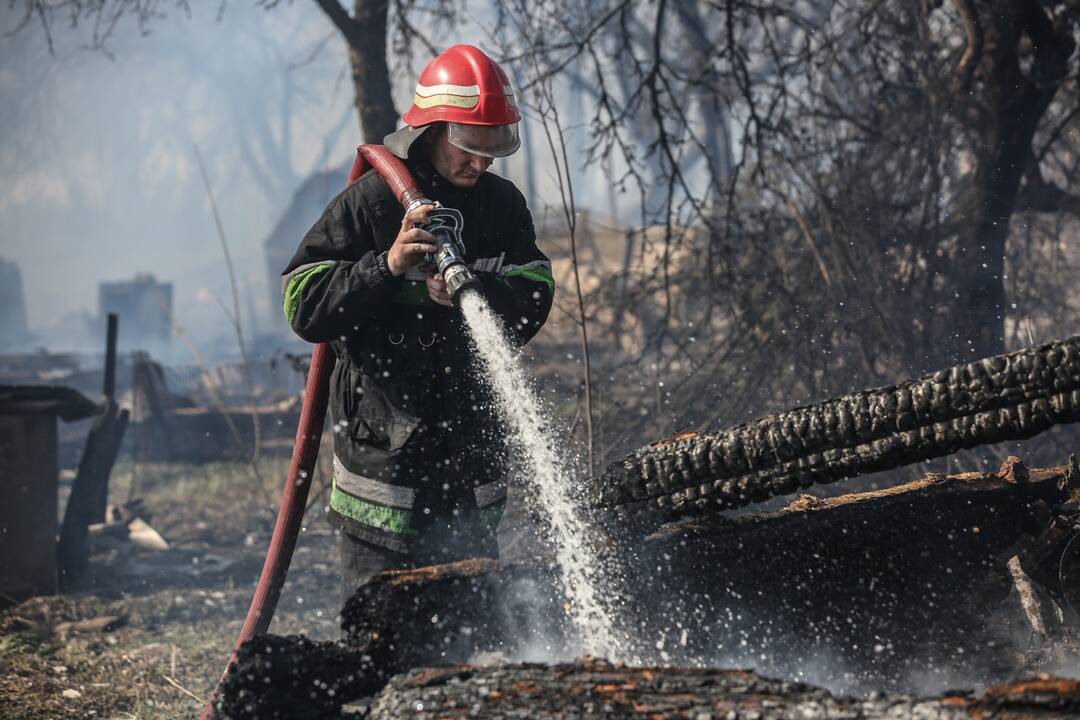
(399, 141)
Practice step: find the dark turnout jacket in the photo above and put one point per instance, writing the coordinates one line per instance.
(416, 437)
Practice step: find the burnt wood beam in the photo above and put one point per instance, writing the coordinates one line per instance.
(1005, 397)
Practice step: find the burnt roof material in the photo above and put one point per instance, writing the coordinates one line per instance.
(68, 403)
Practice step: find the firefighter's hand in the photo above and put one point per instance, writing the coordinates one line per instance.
(412, 242)
(436, 290)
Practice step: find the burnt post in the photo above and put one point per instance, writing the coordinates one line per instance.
(110, 358)
(101, 497)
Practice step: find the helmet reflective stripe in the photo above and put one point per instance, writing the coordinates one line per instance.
(429, 90)
(462, 96)
(437, 100)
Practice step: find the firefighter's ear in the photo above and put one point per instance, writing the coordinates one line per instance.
(437, 130)
(421, 147)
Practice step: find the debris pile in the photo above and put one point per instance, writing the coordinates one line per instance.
(919, 578)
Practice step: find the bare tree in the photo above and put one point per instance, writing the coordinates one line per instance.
(371, 27)
(890, 166)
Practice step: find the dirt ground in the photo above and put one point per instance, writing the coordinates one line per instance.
(178, 610)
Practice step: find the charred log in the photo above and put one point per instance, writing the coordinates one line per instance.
(884, 582)
(410, 617)
(1006, 397)
(400, 620)
(294, 677)
(597, 689)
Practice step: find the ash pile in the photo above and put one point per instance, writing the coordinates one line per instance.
(865, 605)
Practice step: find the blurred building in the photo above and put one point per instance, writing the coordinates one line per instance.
(305, 208)
(145, 309)
(14, 332)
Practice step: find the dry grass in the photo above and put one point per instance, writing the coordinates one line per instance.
(183, 607)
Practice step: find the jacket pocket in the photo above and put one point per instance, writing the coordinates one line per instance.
(377, 422)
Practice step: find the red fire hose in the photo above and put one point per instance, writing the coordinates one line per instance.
(308, 434)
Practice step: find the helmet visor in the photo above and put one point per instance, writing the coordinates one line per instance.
(485, 140)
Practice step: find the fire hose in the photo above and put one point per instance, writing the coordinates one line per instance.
(445, 224)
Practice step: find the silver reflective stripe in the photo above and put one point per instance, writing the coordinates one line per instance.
(366, 488)
(489, 494)
(488, 264)
(298, 270)
(535, 263)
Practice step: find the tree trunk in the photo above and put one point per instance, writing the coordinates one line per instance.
(370, 73)
(1009, 102)
(365, 34)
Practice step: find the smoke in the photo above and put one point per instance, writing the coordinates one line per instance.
(97, 167)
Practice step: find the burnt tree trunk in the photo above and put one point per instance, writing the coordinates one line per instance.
(401, 620)
(885, 583)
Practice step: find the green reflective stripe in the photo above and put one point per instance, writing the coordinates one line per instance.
(372, 490)
(392, 520)
(413, 293)
(492, 514)
(295, 288)
(536, 273)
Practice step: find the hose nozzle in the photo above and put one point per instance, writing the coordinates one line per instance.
(455, 272)
(446, 224)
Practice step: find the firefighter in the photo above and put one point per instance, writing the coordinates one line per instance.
(419, 460)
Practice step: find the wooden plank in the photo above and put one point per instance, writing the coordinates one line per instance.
(91, 484)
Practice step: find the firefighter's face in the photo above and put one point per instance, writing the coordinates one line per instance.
(460, 167)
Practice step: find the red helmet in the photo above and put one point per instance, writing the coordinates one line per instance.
(466, 89)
